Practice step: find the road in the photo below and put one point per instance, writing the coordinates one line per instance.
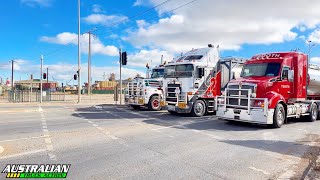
(116, 142)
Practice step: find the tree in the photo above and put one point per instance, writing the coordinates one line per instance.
(112, 77)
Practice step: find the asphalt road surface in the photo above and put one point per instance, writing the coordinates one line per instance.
(113, 142)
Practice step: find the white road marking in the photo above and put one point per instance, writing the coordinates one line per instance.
(181, 125)
(259, 170)
(23, 154)
(20, 139)
(94, 125)
(100, 128)
(90, 122)
(1, 149)
(48, 139)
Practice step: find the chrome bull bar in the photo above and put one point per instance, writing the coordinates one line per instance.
(223, 101)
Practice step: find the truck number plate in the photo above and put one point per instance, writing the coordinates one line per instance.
(171, 108)
(182, 105)
(140, 101)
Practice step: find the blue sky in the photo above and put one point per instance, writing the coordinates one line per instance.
(241, 28)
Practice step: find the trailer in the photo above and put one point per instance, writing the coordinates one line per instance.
(272, 88)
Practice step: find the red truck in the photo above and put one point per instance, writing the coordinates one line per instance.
(272, 88)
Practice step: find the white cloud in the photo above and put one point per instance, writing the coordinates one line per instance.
(97, 46)
(141, 2)
(62, 38)
(34, 3)
(96, 8)
(143, 57)
(103, 19)
(315, 60)
(315, 37)
(228, 24)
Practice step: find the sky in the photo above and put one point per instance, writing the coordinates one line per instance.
(147, 29)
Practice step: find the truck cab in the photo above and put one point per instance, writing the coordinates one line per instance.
(142, 92)
(271, 88)
(193, 80)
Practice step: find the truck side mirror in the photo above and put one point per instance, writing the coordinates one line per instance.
(290, 75)
(200, 72)
(233, 75)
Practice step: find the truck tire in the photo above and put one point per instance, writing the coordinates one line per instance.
(136, 107)
(154, 103)
(198, 108)
(279, 116)
(313, 113)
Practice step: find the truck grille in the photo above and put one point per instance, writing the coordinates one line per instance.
(171, 97)
(239, 92)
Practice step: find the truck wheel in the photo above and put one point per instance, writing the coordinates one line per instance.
(137, 107)
(313, 113)
(154, 103)
(279, 116)
(198, 108)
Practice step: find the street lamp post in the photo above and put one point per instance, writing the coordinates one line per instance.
(308, 60)
(79, 56)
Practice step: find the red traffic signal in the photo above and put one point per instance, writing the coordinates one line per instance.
(44, 75)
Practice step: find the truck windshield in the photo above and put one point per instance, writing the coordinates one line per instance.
(262, 69)
(193, 57)
(174, 71)
(157, 73)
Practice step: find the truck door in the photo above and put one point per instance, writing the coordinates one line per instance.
(286, 87)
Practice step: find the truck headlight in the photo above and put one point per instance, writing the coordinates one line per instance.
(254, 95)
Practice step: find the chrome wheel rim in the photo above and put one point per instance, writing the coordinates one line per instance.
(314, 112)
(280, 116)
(199, 108)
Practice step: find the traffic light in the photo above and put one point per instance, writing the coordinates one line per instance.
(124, 58)
(44, 75)
(75, 76)
(147, 66)
(62, 84)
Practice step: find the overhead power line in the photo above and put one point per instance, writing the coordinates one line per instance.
(113, 24)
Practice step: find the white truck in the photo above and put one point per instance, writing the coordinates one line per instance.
(143, 92)
(193, 81)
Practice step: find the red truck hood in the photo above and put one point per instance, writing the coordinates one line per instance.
(252, 79)
(263, 83)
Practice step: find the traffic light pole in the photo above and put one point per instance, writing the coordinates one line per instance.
(120, 53)
(47, 75)
(41, 64)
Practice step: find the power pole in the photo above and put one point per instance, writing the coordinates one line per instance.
(31, 78)
(120, 54)
(89, 66)
(12, 67)
(79, 56)
(41, 64)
